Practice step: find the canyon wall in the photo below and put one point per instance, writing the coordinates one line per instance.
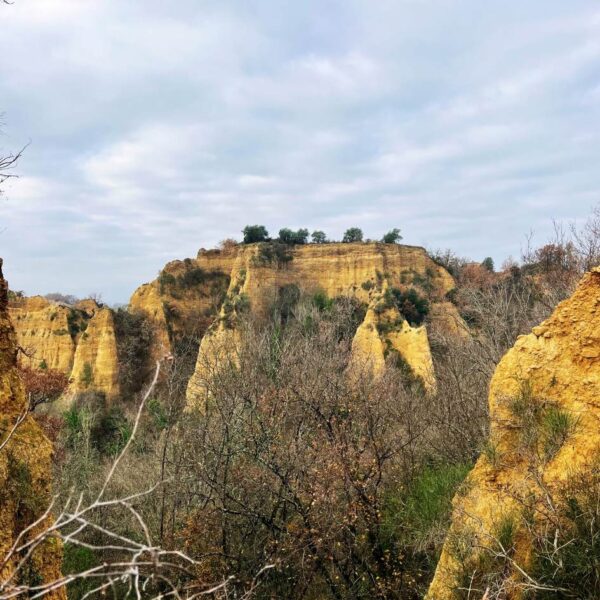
(196, 301)
(25, 466)
(185, 298)
(79, 341)
(365, 272)
(545, 413)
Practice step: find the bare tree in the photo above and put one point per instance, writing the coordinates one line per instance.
(133, 564)
(7, 163)
(291, 461)
(587, 240)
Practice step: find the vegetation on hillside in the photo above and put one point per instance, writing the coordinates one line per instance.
(298, 481)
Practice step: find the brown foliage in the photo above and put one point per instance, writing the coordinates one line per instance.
(42, 385)
(291, 461)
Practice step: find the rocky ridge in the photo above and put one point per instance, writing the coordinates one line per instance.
(366, 272)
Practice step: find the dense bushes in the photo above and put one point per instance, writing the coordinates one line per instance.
(192, 277)
(309, 464)
(411, 305)
(302, 460)
(135, 335)
(287, 236)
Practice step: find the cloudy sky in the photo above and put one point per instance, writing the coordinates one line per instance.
(157, 128)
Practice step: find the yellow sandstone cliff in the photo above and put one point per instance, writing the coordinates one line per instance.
(42, 330)
(545, 416)
(361, 271)
(78, 341)
(185, 298)
(25, 471)
(96, 362)
(196, 299)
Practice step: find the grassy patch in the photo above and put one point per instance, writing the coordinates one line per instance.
(422, 515)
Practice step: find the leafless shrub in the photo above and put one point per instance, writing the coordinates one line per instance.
(132, 564)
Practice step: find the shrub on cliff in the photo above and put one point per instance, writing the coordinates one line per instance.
(287, 236)
(255, 233)
(272, 253)
(318, 237)
(354, 234)
(411, 305)
(392, 237)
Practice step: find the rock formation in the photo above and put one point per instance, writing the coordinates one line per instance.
(42, 330)
(25, 468)
(78, 341)
(96, 363)
(198, 299)
(367, 272)
(186, 297)
(545, 411)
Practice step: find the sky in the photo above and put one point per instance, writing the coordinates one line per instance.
(156, 128)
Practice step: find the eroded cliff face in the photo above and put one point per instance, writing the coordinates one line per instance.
(545, 414)
(96, 362)
(42, 331)
(362, 271)
(185, 298)
(78, 341)
(25, 468)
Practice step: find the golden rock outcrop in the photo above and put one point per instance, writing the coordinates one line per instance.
(552, 372)
(42, 330)
(25, 470)
(96, 362)
(185, 298)
(361, 271)
(78, 341)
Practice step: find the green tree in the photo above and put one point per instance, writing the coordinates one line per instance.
(392, 237)
(354, 234)
(255, 233)
(288, 236)
(301, 236)
(488, 263)
(319, 237)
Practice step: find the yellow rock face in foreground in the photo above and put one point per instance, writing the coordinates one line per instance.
(25, 466)
(362, 271)
(558, 365)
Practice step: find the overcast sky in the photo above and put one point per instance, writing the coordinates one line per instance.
(158, 127)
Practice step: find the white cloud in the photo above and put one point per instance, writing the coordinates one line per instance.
(158, 128)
